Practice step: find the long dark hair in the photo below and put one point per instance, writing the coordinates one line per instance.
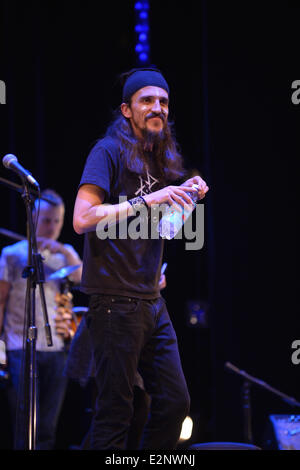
(165, 154)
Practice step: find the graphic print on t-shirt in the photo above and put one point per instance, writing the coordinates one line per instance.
(146, 185)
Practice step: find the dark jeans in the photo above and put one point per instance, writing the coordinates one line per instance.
(50, 393)
(130, 334)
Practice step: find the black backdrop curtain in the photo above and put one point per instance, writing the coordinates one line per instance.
(254, 148)
(230, 72)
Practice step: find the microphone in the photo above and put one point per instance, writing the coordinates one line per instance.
(10, 161)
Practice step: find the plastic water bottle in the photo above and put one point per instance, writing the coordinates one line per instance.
(173, 219)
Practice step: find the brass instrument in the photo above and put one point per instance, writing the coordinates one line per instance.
(66, 319)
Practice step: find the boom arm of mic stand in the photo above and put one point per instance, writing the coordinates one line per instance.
(290, 400)
(17, 187)
(20, 189)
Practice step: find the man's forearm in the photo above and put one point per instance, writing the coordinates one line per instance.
(107, 214)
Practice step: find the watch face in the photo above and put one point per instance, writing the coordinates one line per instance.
(138, 204)
(140, 201)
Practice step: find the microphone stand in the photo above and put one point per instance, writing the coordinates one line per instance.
(247, 412)
(248, 380)
(34, 273)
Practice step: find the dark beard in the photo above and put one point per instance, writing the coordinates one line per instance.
(154, 143)
(151, 139)
(154, 148)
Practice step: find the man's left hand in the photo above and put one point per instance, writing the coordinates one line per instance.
(202, 186)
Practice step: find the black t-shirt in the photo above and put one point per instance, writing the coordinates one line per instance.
(119, 266)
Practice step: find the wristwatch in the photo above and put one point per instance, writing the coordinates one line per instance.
(138, 204)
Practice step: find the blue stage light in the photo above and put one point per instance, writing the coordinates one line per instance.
(143, 57)
(142, 47)
(139, 28)
(139, 47)
(143, 37)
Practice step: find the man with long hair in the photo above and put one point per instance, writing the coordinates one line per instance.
(133, 169)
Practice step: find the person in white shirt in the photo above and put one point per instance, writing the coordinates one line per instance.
(50, 360)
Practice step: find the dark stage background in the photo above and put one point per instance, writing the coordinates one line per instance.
(230, 72)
